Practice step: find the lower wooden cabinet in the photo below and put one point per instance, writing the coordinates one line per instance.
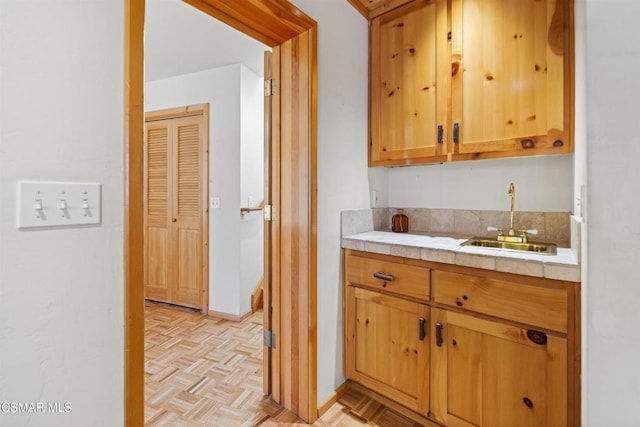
(387, 348)
(475, 348)
(488, 373)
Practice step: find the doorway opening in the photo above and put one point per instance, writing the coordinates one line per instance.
(290, 172)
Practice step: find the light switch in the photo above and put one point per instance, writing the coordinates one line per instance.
(58, 204)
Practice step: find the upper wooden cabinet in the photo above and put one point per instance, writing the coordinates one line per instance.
(408, 102)
(372, 8)
(467, 79)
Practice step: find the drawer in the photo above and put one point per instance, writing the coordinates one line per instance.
(400, 278)
(531, 305)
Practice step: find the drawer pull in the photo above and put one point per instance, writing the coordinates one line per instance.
(422, 332)
(382, 276)
(439, 334)
(537, 337)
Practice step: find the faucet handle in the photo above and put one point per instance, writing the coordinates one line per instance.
(499, 230)
(532, 231)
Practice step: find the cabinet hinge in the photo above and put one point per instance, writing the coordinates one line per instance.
(269, 339)
(269, 212)
(269, 87)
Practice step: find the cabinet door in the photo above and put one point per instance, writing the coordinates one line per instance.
(386, 346)
(487, 373)
(508, 84)
(408, 84)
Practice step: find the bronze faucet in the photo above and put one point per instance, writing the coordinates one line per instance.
(512, 193)
(513, 235)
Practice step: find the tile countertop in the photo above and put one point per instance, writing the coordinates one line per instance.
(563, 266)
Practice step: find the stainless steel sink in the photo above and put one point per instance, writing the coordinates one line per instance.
(537, 247)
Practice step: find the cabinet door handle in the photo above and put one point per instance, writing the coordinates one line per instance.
(456, 132)
(537, 337)
(382, 276)
(439, 334)
(422, 332)
(440, 134)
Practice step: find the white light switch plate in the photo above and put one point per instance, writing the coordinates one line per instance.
(58, 204)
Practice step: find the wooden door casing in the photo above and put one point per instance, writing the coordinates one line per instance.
(272, 22)
(176, 193)
(271, 382)
(294, 241)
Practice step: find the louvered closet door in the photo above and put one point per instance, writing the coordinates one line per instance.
(186, 212)
(157, 220)
(174, 259)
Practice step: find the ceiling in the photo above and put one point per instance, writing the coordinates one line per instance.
(180, 39)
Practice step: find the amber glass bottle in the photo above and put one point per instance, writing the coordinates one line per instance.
(399, 222)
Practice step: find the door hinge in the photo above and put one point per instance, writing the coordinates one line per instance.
(269, 212)
(269, 339)
(269, 87)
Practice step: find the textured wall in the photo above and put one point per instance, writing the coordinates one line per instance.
(342, 159)
(61, 291)
(613, 142)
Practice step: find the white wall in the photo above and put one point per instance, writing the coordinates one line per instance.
(342, 162)
(580, 182)
(542, 184)
(251, 183)
(613, 132)
(61, 291)
(219, 87)
(580, 137)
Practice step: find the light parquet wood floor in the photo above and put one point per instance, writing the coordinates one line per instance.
(204, 371)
